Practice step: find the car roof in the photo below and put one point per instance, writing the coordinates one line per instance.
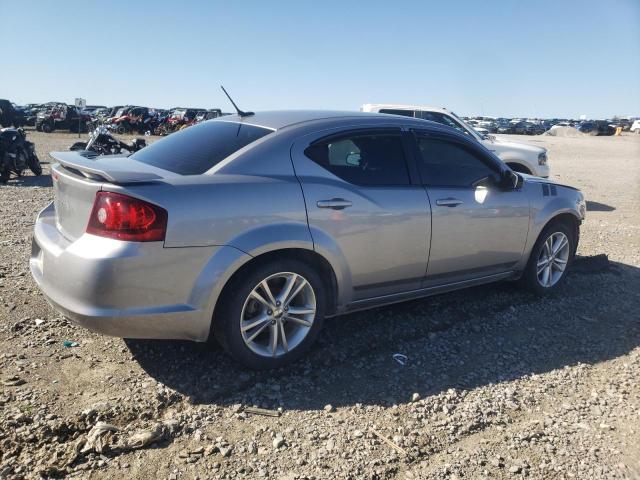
(279, 119)
(374, 107)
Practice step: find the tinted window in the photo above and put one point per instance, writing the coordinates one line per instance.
(449, 164)
(363, 159)
(404, 113)
(196, 149)
(441, 118)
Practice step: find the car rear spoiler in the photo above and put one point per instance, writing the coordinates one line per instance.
(106, 168)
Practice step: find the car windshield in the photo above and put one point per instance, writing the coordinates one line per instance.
(197, 149)
(464, 124)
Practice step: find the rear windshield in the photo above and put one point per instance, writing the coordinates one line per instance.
(197, 149)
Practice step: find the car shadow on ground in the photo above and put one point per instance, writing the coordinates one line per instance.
(599, 207)
(31, 181)
(465, 339)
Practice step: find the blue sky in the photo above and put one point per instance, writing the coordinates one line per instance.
(503, 58)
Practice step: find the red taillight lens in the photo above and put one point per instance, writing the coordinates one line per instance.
(126, 218)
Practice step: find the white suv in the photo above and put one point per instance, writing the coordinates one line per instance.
(520, 157)
(635, 127)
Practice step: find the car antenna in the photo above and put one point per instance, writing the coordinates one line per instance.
(240, 112)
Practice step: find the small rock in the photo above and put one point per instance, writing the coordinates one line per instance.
(13, 381)
(415, 397)
(278, 441)
(329, 408)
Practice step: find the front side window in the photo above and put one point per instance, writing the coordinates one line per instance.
(444, 163)
(199, 148)
(363, 159)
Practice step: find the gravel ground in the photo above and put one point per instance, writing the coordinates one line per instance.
(497, 383)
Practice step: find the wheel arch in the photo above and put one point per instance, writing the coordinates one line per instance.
(310, 257)
(568, 218)
(518, 166)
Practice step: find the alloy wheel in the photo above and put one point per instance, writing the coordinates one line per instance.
(553, 259)
(278, 314)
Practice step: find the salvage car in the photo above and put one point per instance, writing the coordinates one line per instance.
(62, 117)
(596, 128)
(251, 229)
(519, 157)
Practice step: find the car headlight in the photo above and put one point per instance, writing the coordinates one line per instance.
(582, 206)
(542, 158)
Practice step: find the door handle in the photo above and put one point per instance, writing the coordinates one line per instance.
(334, 203)
(449, 202)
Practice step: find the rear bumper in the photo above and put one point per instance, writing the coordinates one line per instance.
(124, 289)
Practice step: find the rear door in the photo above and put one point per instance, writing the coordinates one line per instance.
(361, 198)
(478, 229)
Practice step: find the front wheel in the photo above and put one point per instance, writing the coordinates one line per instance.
(34, 165)
(550, 259)
(271, 315)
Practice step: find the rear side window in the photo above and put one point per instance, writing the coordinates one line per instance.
(197, 149)
(441, 118)
(363, 159)
(404, 113)
(449, 164)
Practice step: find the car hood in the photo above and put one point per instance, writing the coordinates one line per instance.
(534, 179)
(503, 144)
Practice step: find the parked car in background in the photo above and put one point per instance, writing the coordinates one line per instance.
(505, 127)
(519, 157)
(527, 128)
(62, 117)
(363, 210)
(635, 127)
(10, 116)
(596, 127)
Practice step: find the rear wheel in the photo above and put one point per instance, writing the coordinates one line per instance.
(46, 128)
(271, 315)
(550, 259)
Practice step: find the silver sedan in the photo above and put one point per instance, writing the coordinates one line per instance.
(252, 229)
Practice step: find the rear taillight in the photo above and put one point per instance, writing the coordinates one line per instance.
(126, 218)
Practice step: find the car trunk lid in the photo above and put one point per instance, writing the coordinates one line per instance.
(80, 175)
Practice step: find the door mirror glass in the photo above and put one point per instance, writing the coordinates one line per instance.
(509, 180)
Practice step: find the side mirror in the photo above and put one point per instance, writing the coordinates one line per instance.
(509, 179)
(353, 159)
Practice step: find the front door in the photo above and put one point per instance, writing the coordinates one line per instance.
(359, 196)
(478, 228)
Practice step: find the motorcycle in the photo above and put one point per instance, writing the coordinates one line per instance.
(16, 154)
(103, 143)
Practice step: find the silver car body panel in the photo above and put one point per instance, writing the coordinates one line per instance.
(393, 243)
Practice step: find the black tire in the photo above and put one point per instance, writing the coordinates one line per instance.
(46, 128)
(529, 279)
(34, 165)
(5, 174)
(78, 146)
(227, 317)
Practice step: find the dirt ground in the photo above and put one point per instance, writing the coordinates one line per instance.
(497, 383)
